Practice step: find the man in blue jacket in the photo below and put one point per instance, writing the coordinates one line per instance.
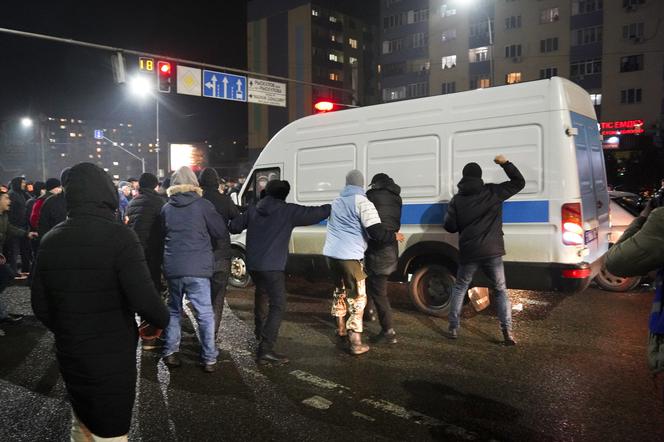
(269, 225)
(190, 223)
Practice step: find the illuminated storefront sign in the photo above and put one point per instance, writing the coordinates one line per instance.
(623, 127)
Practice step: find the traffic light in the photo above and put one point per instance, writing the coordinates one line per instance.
(164, 75)
(324, 106)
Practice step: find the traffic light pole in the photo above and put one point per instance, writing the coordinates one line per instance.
(158, 145)
(115, 144)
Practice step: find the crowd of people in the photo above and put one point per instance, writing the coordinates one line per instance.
(103, 252)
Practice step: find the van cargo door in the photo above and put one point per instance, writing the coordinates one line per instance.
(592, 183)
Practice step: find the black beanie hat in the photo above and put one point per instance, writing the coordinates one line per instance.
(148, 180)
(472, 170)
(277, 189)
(52, 183)
(379, 177)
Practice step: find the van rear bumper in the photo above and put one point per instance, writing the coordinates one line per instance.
(551, 276)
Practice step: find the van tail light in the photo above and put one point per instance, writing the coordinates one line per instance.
(576, 273)
(572, 224)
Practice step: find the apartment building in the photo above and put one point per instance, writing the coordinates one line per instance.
(329, 43)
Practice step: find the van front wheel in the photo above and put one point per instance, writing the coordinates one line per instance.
(430, 289)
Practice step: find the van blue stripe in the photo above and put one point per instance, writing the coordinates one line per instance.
(513, 212)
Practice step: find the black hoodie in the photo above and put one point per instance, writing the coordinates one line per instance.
(381, 258)
(18, 198)
(90, 280)
(476, 212)
(269, 225)
(209, 182)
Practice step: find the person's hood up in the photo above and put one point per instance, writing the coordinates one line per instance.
(352, 190)
(15, 183)
(89, 189)
(268, 205)
(183, 195)
(386, 184)
(470, 185)
(208, 178)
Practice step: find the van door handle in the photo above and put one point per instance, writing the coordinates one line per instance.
(600, 204)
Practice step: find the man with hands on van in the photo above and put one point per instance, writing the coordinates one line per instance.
(476, 212)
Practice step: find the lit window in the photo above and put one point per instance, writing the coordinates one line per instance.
(549, 15)
(596, 99)
(447, 10)
(353, 43)
(478, 54)
(333, 57)
(449, 62)
(513, 77)
(63, 155)
(98, 149)
(352, 60)
(72, 134)
(333, 19)
(115, 163)
(479, 83)
(449, 35)
(335, 76)
(63, 119)
(314, 12)
(62, 126)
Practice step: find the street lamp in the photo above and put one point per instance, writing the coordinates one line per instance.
(26, 122)
(141, 86)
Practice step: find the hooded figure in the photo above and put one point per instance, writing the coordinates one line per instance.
(54, 209)
(16, 246)
(209, 181)
(90, 280)
(269, 226)
(190, 224)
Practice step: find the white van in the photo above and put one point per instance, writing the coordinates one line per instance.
(556, 228)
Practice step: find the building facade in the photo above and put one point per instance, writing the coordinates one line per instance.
(612, 48)
(322, 42)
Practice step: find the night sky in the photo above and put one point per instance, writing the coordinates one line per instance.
(58, 79)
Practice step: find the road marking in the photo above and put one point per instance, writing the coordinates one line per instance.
(318, 382)
(533, 301)
(363, 416)
(317, 402)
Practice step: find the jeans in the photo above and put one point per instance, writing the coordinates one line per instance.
(218, 294)
(269, 307)
(19, 247)
(377, 291)
(494, 270)
(198, 292)
(6, 277)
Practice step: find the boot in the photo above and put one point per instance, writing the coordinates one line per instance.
(341, 332)
(356, 346)
(386, 337)
(508, 338)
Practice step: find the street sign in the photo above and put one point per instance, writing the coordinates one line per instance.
(266, 92)
(224, 86)
(99, 134)
(189, 81)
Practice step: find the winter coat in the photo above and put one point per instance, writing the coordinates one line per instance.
(18, 198)
(90, 280)
(352, 221)
(190, 222)
(269, 225)
(476, 212)
(53, 212)
(381, 258)
(8, 230)
(123, 202)
(144, 213)
(640, 250)
(209, 182)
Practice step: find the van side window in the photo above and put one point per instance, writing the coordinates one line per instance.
(257, 183)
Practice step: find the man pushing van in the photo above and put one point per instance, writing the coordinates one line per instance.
(476, 212)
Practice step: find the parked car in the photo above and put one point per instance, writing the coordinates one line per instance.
(623, 208)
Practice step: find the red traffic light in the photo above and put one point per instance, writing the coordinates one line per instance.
(164, 76)
(324, 106)
(164, 67)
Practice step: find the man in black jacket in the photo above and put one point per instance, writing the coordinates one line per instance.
(380, 259)
(90, 280)
(209, 181)
(144, 213)
(17, 217)
(269, 225)
(476, 213)
(54, 209)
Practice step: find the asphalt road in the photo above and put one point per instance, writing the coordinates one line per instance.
(578, 373)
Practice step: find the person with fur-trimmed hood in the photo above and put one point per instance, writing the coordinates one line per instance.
(190, 223)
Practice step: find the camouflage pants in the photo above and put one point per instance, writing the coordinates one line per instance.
(350, 296)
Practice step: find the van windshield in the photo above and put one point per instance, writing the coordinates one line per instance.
(257, 182)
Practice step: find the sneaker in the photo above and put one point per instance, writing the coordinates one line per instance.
(271, 358)
(453, 333)
(12, 318)
(508, 338)
(172, 361)
(386, 337)
(210, 368)
(152, 344)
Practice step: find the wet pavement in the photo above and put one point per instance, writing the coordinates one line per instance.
(578, 373)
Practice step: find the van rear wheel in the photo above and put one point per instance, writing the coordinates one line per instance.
(430, 289)
(612, 283)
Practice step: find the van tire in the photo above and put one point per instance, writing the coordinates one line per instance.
(430, 289)
(612, 283)
(239, 275)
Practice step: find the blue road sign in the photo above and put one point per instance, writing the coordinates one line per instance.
(99, 134)
(224, 86)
